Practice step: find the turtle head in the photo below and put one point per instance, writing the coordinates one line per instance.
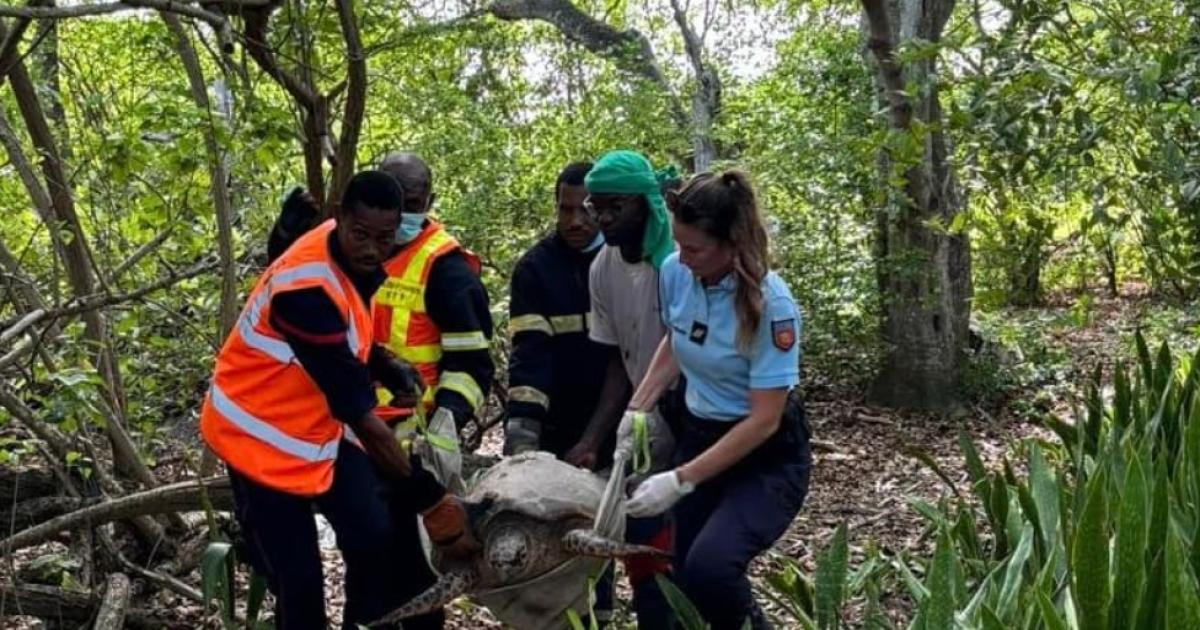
(509, 552)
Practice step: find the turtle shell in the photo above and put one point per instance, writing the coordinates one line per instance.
(538, 485)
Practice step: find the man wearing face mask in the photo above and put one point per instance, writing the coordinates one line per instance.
(433, 310)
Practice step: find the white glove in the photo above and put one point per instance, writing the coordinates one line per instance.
(657, 494)
(442, 460)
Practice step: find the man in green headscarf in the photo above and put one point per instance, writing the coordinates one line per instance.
(625, 198)
(625, 180)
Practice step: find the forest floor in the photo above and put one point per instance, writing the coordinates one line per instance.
(1035, 362)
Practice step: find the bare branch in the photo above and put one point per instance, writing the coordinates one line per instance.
(94, 302)
(9, 44)
(20, 163)
(169, 499)
(111, 615)
(22, 325)
(356, 98)
(58, 442)
(257, 21)
(217, 173)
(141, 252)
(77, 607)
(706, 100)
(181, 7)
(629, 49)
(691, 41)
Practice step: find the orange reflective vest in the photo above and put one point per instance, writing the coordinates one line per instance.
(263, 415)
(404, 327)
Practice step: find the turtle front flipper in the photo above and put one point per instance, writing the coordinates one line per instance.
(586, 542)
(449, 586)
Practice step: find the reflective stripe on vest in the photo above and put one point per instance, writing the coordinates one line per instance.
(266, 432)
(252, 315)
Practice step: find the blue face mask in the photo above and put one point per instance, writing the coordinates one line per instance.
(595, 244)
(410, 226)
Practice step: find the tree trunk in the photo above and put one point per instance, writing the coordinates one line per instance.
(1110, 267)
(218, 174)
(1025, 278)
(706, 100)
(924, 274)
(218, 177)
(356, 101)
(46, 60)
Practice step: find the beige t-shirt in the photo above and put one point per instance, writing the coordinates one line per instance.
(625, 310)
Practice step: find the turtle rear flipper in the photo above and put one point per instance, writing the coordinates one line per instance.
(586, 542)
(448, 587)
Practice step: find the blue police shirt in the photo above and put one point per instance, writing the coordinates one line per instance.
(702, 322)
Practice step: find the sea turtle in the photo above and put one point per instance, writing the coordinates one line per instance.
(545, 527)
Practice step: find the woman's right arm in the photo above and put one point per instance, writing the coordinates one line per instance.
(663, 371)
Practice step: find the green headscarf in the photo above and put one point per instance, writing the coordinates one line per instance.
(630, 173)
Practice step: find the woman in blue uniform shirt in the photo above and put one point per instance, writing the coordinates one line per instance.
(742, 465)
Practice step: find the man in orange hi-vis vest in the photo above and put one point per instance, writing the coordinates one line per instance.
(431, 312)
(291, 412)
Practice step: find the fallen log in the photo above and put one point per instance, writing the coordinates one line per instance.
(111, 615)
(22, 484)
(184, 496)
(177, 497)
(29, 513)
(70, 606)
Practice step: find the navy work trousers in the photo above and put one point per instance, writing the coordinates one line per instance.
(381, 549)
(727, 521)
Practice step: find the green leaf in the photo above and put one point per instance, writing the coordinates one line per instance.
(685, 611)
(916, 589)
(1130, 563)
(1144, 361)
(1044, 487)
(1090, 558)
(939, 607)
(573, 619)
(975, 468)
(832, 567)
(1014, 573)
(793, 591)
(1050, 616)
(1156, 539)
(1150, 612)
(991, 621)
(1182, 610)
(931, 464)
(997, 511)
(214, 572)
(256, 592)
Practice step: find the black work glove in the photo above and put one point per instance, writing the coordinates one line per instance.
(398, 376)
(419, 491)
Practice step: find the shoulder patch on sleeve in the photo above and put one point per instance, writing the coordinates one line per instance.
(783, 333)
